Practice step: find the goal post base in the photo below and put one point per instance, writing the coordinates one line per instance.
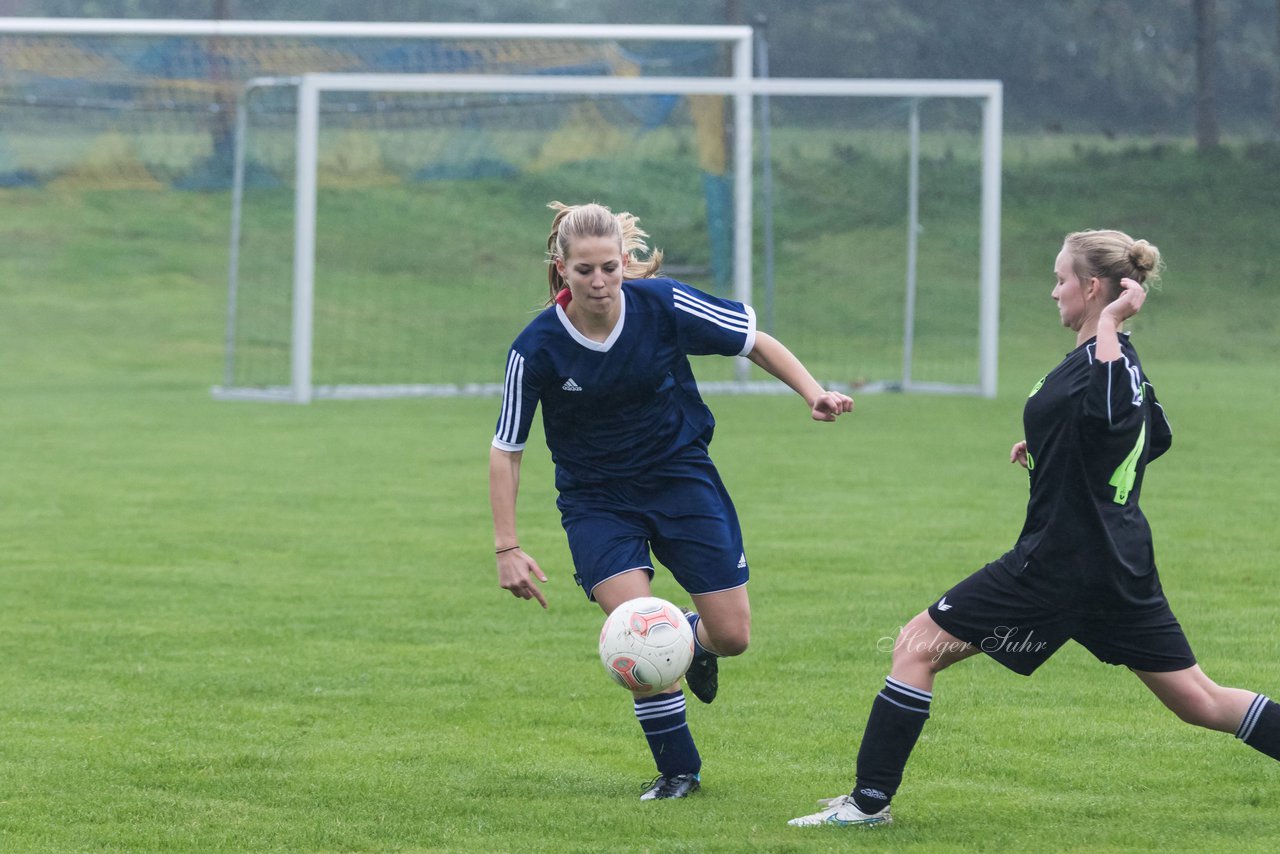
(287, 394)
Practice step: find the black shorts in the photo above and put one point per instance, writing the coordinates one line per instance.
(993, 612)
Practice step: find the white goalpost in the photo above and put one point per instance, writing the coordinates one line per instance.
(310, 87)
(743, 89)
(156, 107)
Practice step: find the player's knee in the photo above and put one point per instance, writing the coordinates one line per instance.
(735, 645)
(732, 641)
(1196, 707)
(914, 647)
(1196, 714)
(908, 656)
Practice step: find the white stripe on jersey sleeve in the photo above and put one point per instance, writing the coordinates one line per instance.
(734, 321)
(750, 343)
(512, 404)
(1135, 386)
(1135, 383)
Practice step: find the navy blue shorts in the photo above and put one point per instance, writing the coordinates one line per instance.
(990, 610)
(681, 511)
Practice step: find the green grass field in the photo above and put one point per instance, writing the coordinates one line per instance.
(252, 627)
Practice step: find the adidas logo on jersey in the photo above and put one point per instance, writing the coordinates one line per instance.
(570, 385)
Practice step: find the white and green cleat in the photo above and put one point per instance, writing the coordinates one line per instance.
(842, 812)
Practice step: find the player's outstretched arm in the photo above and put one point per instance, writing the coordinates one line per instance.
(773, 356)
(516, 570)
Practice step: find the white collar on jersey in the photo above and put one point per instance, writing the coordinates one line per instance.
(599, 346)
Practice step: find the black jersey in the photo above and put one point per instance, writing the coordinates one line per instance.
(1091, 428)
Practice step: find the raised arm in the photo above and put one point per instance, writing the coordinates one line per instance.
(516, 570)
(1113, 316)
(773, 356)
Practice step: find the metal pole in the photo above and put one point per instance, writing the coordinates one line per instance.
(742, 163)
(240, 155)
(766, 174)
(237, 200)
(913, 240)
(989, 269)
(304, 237)
(372, 29)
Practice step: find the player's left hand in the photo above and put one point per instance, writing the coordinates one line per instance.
(831, 404)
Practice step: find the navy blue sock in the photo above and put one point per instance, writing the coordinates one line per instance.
(1260, 728)
(663, 721)
(698, 648)
(897, 717)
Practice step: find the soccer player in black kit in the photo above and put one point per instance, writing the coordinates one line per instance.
(1082, 568)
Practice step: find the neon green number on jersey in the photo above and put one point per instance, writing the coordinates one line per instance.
(1127, 473)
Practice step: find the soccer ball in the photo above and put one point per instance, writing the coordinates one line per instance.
(646, 645)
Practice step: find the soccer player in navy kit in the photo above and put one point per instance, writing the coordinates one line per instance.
(1083, 566)
(628, 433)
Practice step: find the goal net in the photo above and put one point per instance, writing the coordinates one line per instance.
(862, 226)
(880, 194)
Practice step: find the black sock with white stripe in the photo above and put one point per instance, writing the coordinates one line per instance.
(662, 718)
(897, 717)
(1260, 728)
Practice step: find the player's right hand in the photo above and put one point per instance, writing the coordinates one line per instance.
(1128, 303)
(517, 572)
(1018, 453)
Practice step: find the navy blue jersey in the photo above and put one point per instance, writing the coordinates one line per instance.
(1091, 428)
(616, 408)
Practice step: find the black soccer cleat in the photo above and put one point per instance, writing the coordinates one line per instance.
(677, 786)
(703, 677)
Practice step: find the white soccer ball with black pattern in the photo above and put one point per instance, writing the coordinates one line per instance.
(646, 645)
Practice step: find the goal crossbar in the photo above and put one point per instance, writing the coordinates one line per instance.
(373, 29)
(741, 87)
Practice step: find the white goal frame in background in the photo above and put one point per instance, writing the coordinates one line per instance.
(739, 84)
(743, 89)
